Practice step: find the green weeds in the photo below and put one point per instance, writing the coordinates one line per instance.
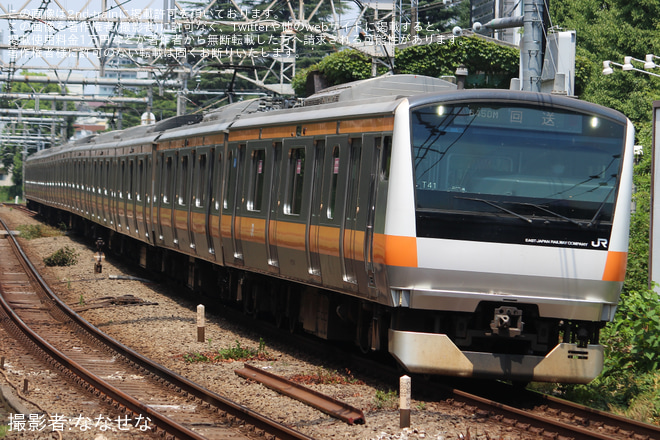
(30, 232)
(386, 399)
(65, 256)
(236, 353)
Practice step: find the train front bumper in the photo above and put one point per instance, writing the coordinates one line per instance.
(433, 353)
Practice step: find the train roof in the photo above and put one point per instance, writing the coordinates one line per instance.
(380, 95)
(380, 87)
(488, 95)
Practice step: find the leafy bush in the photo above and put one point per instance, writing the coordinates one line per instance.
(632, 341)
(65, 256)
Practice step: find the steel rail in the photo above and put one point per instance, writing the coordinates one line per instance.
(91, 379)
(182, 384)
(326, 404)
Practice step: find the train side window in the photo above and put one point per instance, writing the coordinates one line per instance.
(202, 184)
(231, 171)
(131, 179)
(183, 181)
(140, 179)
(295, 178)
(385, 158)
(99, 177)
(95, 178)
(332, 197)
(165, 182)
(122, 179)
(217, 185)
(354, 179)
(106, 178)
(256, 180)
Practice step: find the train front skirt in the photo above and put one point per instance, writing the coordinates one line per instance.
(433, 353)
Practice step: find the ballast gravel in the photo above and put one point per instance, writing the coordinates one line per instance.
(165, 330)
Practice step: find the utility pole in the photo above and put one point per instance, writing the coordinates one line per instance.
(531, 46)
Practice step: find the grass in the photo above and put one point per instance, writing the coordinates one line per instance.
(386, 399)
(30, 232)
(236, 353)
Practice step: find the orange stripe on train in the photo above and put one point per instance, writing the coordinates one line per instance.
(615, 266)
(400, 251)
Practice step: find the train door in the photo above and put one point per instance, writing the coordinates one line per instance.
(360, 213)
(77, 199)
(251, 225)
(84, 194)
(148, 196)
(71, 187)
(332, 207)
(89, 188)
(105, 185)
(130, 195)
(98, 190)
(125, 185)
(113, 200)
(271, 219)
(313, 236)
(95, 190)
(368, 193)
(350, 253)
(182, 201)
(216, 171)
(231, 247)
(141, 197)
(202, 185)
(164, 210)
(297, 177)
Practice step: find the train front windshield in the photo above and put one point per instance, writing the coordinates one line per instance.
(489, 164)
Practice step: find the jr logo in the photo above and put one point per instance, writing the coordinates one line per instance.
(599, 243)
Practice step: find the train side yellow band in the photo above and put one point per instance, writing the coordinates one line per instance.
(387, 249)
(615, 266)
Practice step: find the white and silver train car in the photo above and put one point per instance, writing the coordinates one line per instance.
(475, 233)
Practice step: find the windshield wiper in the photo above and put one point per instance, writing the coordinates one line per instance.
(544, 209)
(600, 209)
(495, 205)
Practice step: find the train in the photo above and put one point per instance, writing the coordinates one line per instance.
(478, 233)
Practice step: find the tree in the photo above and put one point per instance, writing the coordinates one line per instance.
(435, 16)
(490, 64)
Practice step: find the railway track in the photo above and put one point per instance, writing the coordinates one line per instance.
(150, 397)
(536, 415)
(555, 418)
(606, 425)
